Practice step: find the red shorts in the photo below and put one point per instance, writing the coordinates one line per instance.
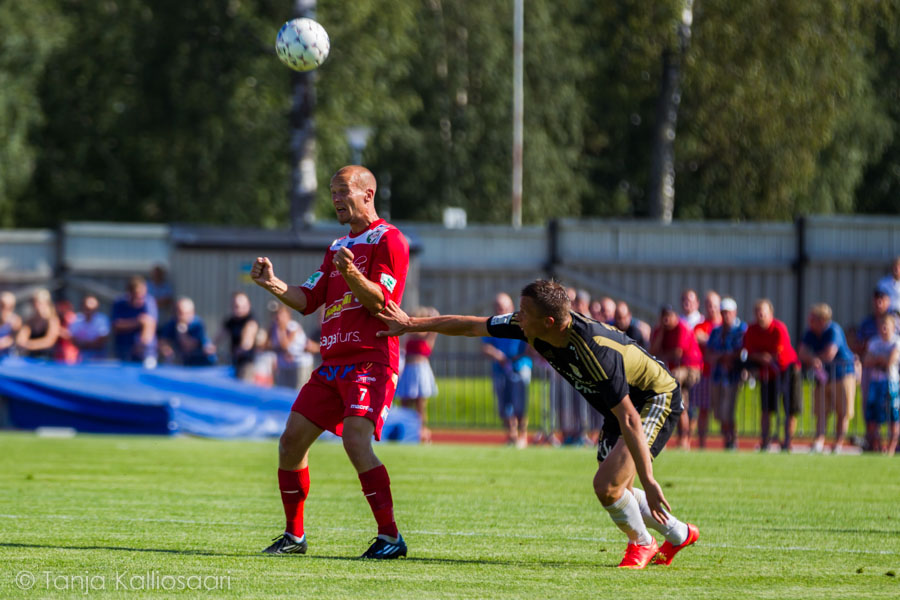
(335, 392)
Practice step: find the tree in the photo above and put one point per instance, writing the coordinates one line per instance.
(31, 32)
(780, 117)
(177, 116)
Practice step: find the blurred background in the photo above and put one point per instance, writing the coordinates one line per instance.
(179, 111)
(751, 148)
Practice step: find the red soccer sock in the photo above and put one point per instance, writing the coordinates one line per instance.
(376, 485)
(294, 486)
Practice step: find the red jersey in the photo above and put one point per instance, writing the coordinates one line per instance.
(381, 253)
(706, 327)
(682, 337)
(774, 340)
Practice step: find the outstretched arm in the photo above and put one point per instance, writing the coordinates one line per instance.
(399, 322)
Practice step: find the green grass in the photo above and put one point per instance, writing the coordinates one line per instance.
(481, 522)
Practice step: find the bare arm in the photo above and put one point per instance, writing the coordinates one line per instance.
(828, 353)
(807, 357)
(366, 291)
(47, 340)
(633, 433)
(263, 275)
(493, 353)
(248, 335)
(399, 322)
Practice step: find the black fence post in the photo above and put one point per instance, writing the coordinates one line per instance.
(801, 262)
(552, 247)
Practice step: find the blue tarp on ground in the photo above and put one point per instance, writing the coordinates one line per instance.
(125, 398)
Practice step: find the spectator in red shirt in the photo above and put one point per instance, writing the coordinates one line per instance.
(674, 343)
(700, 394)
(771, 355)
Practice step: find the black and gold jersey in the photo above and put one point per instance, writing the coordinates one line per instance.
(601, 362)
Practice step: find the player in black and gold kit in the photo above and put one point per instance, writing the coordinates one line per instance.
(639, 398)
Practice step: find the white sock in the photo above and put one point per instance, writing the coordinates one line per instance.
(294, 538)
(675, 531)
(626, 514)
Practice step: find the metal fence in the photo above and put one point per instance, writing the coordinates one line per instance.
(816, 259)
(466, 399)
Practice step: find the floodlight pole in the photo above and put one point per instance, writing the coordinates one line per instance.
(518, 111)
(662, 158)
(303, 137)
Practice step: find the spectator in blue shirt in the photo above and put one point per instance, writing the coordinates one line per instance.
(890, 284)
(511, 375)
(133, 318)
(723, 351)
(825, 350)
(866, 331)
(183, 339)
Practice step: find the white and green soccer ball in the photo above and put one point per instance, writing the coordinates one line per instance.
(302, 44)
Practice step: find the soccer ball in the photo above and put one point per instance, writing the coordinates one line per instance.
(302, 44)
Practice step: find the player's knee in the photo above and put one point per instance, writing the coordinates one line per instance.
(289, 443)
(607, 491)
(356, 443)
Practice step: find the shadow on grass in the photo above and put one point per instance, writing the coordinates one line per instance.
(261, 556)
(121, 549)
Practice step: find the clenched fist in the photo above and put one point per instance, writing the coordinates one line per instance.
(343, 259)
(262, 272)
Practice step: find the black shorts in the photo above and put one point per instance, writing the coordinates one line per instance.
(659, 416)
(788, 386)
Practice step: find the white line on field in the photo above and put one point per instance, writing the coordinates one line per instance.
(523, 536)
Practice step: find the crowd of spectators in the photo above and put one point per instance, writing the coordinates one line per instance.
(712, 354)
(147, 329)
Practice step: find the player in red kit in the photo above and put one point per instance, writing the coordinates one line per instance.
(351, 393)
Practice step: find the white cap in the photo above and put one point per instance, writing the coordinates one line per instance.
(728, 304)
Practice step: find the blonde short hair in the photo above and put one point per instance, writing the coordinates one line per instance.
(821, 311)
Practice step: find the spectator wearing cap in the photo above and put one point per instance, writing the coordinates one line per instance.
(825, 351)
(674, 343)
(890, 284)
(772, 356)
(723, 351)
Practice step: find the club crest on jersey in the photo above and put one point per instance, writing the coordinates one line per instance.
(373, 236)
(389, 282)
(501, 319)
(312, 280)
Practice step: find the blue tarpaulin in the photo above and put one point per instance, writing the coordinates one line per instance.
(113, 397)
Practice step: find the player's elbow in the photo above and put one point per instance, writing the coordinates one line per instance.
(376, 307)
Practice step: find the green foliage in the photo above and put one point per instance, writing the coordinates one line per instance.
(778, 117)
(29, 33)
(172, 111)
(178, 111)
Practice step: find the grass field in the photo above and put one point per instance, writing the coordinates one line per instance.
(127, 516)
